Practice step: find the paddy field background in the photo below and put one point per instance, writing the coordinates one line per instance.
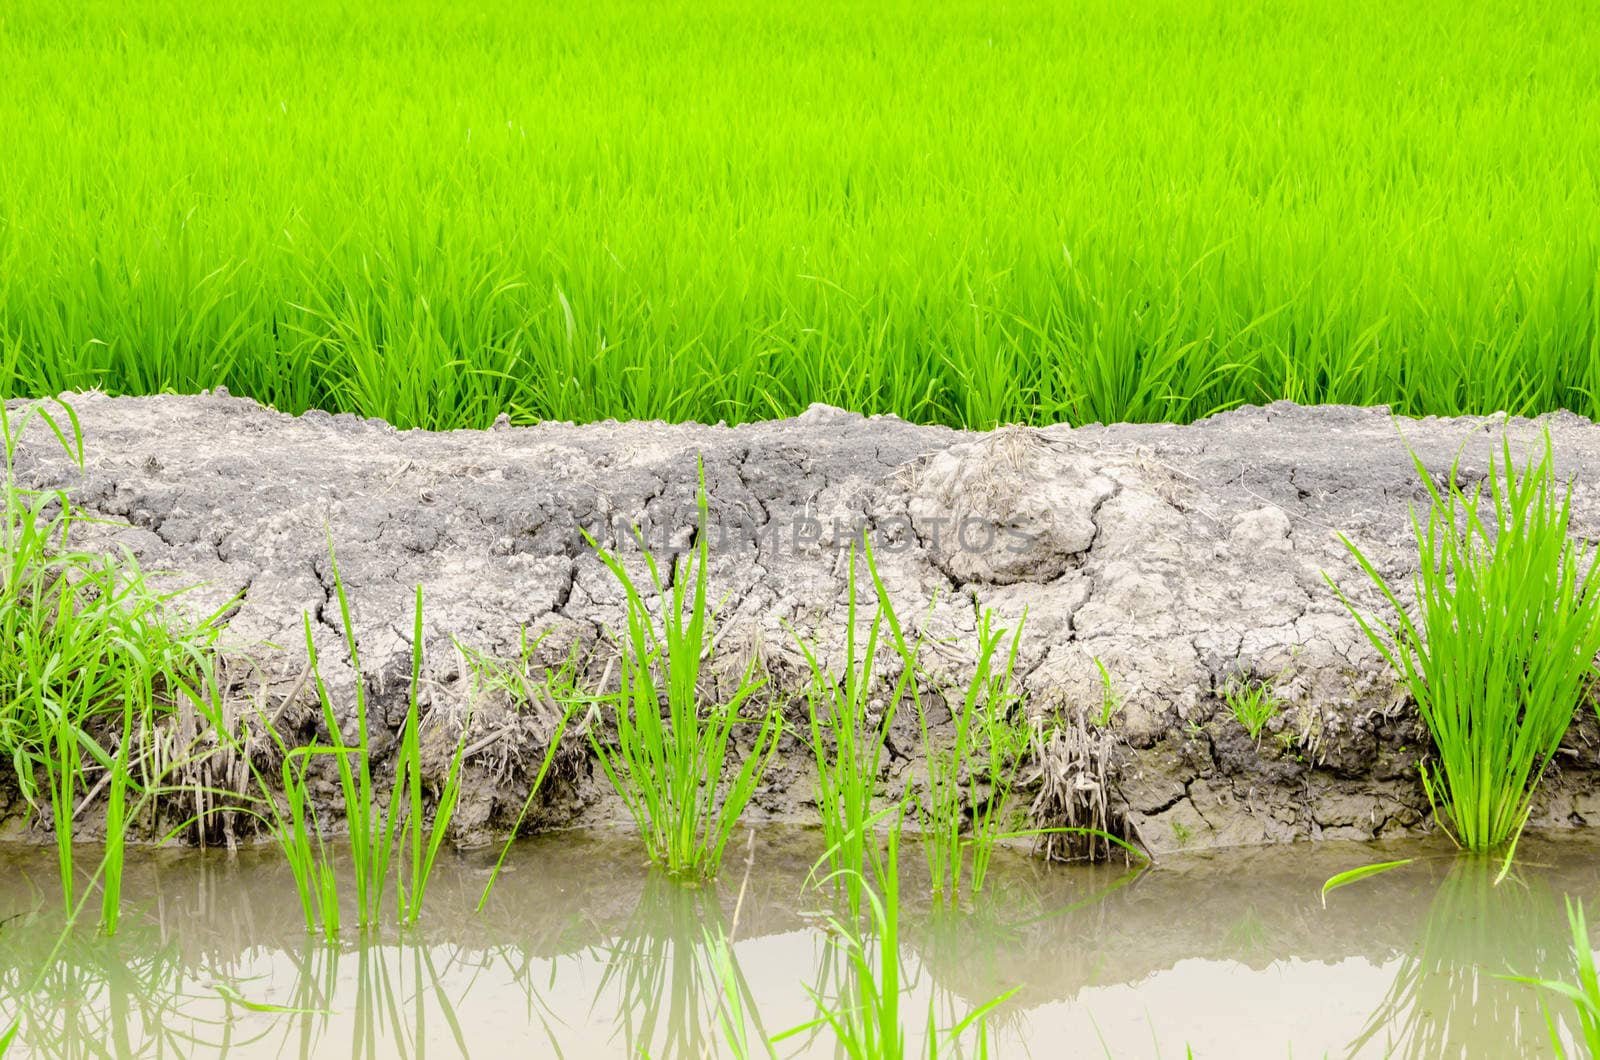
(958, 212)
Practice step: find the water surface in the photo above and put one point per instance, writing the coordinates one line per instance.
(582, 951)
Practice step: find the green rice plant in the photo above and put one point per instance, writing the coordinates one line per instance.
(988, 738)
(91, 658)
(847, 739)
(1314, 205)
(399, 837)
(1355, 875)
(419, 843)
(1252, 703)
(371, 835)
(1584, 993)
(298, 833)
(117, 823)
(669, 771)
(1502, 644)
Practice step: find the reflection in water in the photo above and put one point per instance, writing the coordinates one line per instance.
(1448, 997)
(677, 985)
(583, 952)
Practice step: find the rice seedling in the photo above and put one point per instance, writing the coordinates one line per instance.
(1110, 698)
(370, 836)
(1252, 703)
(1311, 207)
(1584, 994)
(989, 738)
(847, 738)
(298, 833)
(419, 842)
(1502, 644)
(669, 772)
(963, 805)
(90, 659)
(378, 840)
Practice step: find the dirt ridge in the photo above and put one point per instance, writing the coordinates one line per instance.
(1176, 556)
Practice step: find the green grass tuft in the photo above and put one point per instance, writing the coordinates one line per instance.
(1253, 703)
(849, 723)
(669, 771)
(1501, 646)
(92, 658)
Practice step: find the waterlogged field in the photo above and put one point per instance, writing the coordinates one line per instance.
(583, 951)
(958, 212)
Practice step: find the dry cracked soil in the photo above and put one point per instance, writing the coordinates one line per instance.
(1177, 558)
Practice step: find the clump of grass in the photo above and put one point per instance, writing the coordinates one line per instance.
(1072, 807)
(91, 658)
(1253, 703)
(400, 839)
(1584, 993)
(669, 770)
(959, 825)
(1502, 643)
(848, 736)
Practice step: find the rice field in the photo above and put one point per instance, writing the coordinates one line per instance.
(958, 212)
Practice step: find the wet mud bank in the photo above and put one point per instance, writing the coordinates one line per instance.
(1164, 563)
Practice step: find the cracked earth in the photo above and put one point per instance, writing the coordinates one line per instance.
(1178, 558)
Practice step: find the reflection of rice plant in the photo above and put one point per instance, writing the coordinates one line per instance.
(675, 972)
(865, 1015)
(79, 994)
(670, 772)
(1446, 990)
(1503, 642)
(398, 987)
(1584, 994)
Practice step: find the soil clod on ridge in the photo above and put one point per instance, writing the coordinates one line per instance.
(1176, 557)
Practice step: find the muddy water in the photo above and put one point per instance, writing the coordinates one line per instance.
(582, 952)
